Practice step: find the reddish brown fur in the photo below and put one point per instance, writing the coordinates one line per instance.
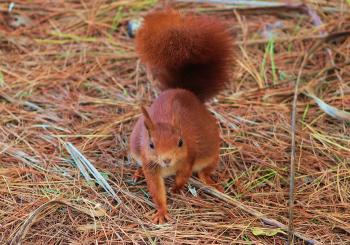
(190, 52)
(178, 135)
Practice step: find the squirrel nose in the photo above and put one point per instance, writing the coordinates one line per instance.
(167, 161)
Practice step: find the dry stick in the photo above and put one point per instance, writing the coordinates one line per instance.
(259, 9)
(239, 2)
(317, 21)
(327, 38)
(257, 214)
(291, 233)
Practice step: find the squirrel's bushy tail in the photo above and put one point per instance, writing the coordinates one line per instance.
(190, 52)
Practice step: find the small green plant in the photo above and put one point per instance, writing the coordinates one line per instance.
(268, 174)
(117, 18)
(269, 51)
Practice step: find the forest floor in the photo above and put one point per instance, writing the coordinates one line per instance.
(71, 83)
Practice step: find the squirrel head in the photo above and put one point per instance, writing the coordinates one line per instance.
(165, 143)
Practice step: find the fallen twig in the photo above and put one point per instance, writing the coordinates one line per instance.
(291, 232)
(256, 7)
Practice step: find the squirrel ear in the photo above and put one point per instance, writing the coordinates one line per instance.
(175, 115)
(147, 120)
(175, 122)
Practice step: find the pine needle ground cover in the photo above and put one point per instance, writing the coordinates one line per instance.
(70, 89)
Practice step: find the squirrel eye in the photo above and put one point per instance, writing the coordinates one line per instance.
(180, 143)
(151, 145)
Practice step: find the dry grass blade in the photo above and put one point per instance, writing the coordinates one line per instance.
(33, 217)
(86, 166)
(328, 109)
(78, 161)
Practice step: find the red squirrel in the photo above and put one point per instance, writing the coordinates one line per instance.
(190, 56)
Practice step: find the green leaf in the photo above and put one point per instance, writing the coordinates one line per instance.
(282, 75)
(259, 231)
(105, 175)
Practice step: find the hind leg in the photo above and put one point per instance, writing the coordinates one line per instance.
(205, 176)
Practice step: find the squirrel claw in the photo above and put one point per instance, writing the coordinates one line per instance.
(161, 217)
(134, 179)
(137, 175)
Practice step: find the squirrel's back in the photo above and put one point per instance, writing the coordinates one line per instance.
(189, 52)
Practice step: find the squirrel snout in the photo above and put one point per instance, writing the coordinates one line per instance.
(166, 162)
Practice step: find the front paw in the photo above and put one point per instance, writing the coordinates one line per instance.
(160, 217)
(176, 189)
(219, 188)
(138, 174)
